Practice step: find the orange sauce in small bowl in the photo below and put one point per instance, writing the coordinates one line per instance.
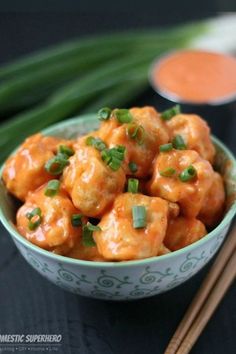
(195, 76)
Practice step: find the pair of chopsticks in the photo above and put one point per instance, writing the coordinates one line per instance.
(211, 292)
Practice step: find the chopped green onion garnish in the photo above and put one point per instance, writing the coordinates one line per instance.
(113, 157)
(106, 156)
(35, 211)
(115, 164)
(170, 113)
(76, 220)
(139, 214)
(168, 172)
(96, 142)
(92, 227)
(133, 167)
(121, 148)
(166, 147)
(52, 188)
(63, 149)
(178, 143)
(87, 234)
(56, 165)
(123, 115)
(87, 237)
(104, 113)
(136, 132)
(35, 218)
(100, 145)
(117, 153)
(133, 184)
(34, 222)
(188, 174)
(90, 140)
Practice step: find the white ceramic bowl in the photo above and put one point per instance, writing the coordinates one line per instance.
(124, 280)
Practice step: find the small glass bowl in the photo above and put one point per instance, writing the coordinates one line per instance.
(173, 96)
(220, 114)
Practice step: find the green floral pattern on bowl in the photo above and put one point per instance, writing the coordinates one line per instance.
(125, 280)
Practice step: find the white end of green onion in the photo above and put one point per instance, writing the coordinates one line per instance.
(220, 36)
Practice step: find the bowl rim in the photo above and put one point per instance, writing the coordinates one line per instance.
(97, 264)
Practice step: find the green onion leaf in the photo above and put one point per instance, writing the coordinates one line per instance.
(168, 172)
(87, 234)
(139, 214)
(117, 153)
(76, 220)
(113, 157)
(123, 115)
(178, 143)
(121, 148)
(136, 132)
(34, 222)
(166, 147)
(35, 211)
(87, 237)
(99, 145)
(92, 227)
(35, 218)
(90, 140)
(52, 188)
(188, 174)
(133, 167)
(115, 163)
(104, 113)
(66, 150)
(170, 113)
(106, 156)
(133, 185)
(96, 142)
(56, 165)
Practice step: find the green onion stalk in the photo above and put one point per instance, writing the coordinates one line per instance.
(70, 100)
(77, 47)
(30, 86)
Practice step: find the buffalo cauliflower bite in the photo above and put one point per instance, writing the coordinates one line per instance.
(213, 206)
(55, 231)
(163, 250)
(152, 133)
(118, 240)
(190, 194)
(195, 132)
(182, 231)
(92, 184)
(79, 251)
(25, 171)
(175, 196)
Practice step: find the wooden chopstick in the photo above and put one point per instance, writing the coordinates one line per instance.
(203, 292)
(208, 309)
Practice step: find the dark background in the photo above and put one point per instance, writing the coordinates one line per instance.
(29, 303)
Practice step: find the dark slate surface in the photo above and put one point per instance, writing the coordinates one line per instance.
(28, 302)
